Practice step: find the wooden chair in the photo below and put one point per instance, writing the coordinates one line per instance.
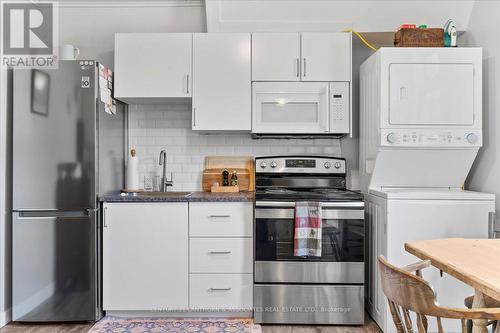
(489, 303)
(408, 292)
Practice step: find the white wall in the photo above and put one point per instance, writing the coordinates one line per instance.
(91, 25)
(5, 202)
(484, 31)
(333, 15)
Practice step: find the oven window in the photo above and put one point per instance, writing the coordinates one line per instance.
(342, 240)
(281, 112)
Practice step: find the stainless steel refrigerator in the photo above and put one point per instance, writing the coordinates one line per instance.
(66, 152)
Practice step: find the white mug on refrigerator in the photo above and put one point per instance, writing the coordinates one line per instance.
(69, 52)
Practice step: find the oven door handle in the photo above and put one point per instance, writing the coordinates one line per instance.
(291, 204)
(289, 213)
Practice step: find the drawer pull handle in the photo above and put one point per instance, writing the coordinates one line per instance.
(219, 289)
(219, 252)
(219, 216)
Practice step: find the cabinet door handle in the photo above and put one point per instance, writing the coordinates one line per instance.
(104, 217)
(297, 65)
(219, 289)
(491, 225)
(219, 252)
(219, 216)
(194, 117)
(304, 67)
(187, 84)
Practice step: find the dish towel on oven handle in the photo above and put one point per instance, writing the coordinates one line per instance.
(307, 236)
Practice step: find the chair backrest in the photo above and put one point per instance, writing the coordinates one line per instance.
(408, 292)
(406, 289)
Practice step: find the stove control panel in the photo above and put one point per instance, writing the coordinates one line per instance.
(431, 138)
(300, 164)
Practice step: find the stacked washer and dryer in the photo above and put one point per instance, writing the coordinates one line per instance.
(421, 129)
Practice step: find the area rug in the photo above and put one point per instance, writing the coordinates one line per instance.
(164, 325)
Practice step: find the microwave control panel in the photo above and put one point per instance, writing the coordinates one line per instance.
(431, 138)
(340, 107)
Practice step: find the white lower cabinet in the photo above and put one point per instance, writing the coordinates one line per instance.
(215, 292)
(221, 256)
(145, 256)
(220, 219)
(151, 262)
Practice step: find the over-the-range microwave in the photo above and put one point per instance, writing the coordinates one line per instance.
(301, 108)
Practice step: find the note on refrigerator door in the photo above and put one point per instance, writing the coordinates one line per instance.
(103, 71)
(105, 95)
(103, 83)
(107, 109)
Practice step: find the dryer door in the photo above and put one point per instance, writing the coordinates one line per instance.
(431, 94)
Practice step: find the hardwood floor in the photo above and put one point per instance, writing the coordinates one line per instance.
(46, 328)
(369, 327)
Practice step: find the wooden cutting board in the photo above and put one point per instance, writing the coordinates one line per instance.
(215, 165)
(211, 176)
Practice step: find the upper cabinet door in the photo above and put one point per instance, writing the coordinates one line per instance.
(221, 82)
(275, 57)
(326, 56)
(152, 66)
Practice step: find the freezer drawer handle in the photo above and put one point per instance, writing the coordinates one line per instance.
(38, 214)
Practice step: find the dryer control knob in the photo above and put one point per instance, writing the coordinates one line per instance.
(337, 165)
(263, 165)
(392, 138)
(328, 165)
(471, 138)
(274, 164)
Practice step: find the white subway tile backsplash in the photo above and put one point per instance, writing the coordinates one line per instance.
(156, 127)
(145, 140)
(143, 123)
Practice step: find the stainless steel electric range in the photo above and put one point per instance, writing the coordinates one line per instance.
(307, 290)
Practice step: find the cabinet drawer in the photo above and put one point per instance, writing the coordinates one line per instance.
(221, 291)
(221, 219)
(220, 255)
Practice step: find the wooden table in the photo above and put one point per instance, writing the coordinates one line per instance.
(475, 262)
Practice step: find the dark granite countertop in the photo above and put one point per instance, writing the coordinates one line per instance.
(180, 197)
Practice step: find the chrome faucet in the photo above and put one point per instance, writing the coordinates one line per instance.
(164, 183)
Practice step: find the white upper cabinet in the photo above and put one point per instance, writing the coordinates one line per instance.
(150, 67)
(326, 56)
(221, 82)
(276, 57)
(306, 56)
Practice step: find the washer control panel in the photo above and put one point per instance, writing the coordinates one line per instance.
(431, 138)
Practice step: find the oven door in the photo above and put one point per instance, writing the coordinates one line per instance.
(290, 108)
(343, 239)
